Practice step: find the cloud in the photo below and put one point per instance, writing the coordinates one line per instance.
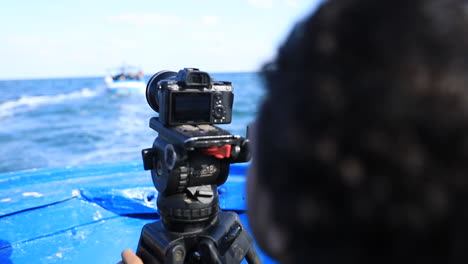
(31, 42)
(261, 3)
(147, 19)
(24, 41)
(45, 52)
(123, 43)
(271, 3)
(292, 3)
(210, 20)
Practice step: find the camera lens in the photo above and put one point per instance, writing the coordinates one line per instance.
(152, 88)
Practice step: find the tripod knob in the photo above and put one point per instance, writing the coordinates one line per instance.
(176, 254)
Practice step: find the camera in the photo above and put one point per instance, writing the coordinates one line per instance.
(190, 97)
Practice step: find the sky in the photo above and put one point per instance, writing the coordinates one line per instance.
(89, 38)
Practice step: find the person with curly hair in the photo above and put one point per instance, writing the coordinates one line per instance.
(361, 145)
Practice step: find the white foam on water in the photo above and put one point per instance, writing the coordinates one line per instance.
(27, 103)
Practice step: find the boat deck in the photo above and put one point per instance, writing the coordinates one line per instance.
(87, 214)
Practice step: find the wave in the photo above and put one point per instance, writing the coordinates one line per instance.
(27, 103)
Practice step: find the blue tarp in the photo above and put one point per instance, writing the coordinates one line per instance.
(87, 214)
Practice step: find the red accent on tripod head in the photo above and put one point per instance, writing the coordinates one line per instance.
(219, 152)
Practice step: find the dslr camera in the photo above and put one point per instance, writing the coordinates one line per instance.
(190, 97)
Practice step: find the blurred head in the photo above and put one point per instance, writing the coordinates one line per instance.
(361, 144)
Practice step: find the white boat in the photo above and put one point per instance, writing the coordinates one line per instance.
(127, 80)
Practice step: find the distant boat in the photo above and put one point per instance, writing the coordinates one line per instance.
(127, 79)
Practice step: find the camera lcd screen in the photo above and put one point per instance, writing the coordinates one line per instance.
(191, 107)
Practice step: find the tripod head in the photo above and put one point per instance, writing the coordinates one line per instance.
(184, 156)
(188, 163)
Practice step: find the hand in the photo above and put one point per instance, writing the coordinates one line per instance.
(128, 257)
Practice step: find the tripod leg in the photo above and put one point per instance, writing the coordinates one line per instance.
(208, 252)
(252, 257)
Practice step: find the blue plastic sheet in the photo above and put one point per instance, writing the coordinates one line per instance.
(87, 214)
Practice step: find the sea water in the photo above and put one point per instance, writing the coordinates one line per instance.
(71, 121)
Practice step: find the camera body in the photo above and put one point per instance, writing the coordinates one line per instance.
(190, 97)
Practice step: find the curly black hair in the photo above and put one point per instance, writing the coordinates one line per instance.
(363, 134)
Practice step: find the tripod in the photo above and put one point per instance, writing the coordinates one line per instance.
(187, 164)
(220, 238)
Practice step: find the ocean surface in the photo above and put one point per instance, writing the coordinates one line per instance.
(48, 123)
